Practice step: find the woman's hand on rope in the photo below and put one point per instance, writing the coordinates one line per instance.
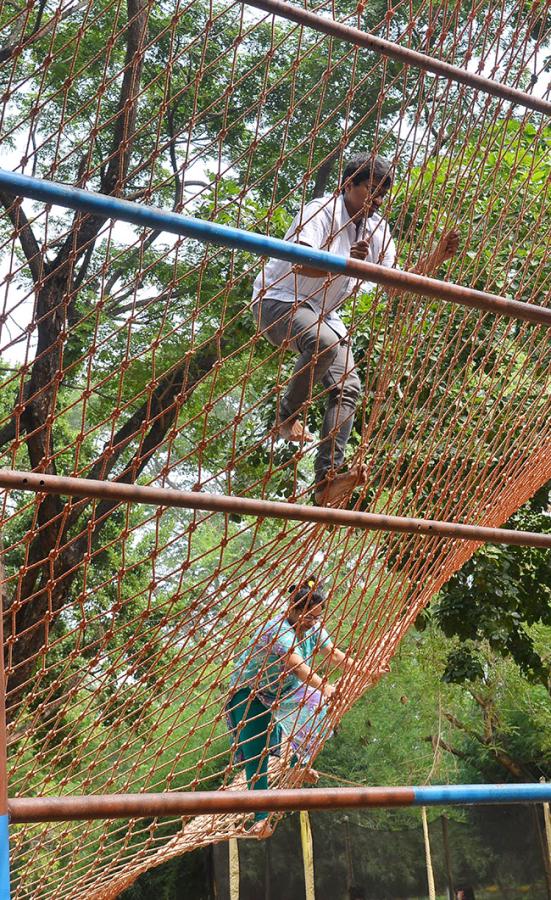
(328, 690)
(369, 677)
(377, 674)
(310, 775)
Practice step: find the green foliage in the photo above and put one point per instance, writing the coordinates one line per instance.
(502, 596)
(463, 665)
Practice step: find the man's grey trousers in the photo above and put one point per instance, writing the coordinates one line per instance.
(323, 357)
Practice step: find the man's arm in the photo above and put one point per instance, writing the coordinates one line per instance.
(446, 248)
(309, 271)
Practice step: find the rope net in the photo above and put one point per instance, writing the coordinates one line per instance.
(133, 356)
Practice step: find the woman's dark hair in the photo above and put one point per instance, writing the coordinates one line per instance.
(367, 167)
(307, 594)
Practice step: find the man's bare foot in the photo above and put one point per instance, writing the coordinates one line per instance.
(294, 431)
(336, 491)
(258, 830)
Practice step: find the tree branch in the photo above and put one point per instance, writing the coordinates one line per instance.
(55, 295)
(24, 234)
(323, 174)
(439, 743)
(86, 227)
(179, 185)
(37, 31)
(489, 742)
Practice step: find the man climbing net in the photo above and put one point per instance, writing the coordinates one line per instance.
(296, 308)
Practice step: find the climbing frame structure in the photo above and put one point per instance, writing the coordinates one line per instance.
(129, 354)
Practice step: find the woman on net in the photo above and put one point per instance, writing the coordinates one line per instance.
(278, 702)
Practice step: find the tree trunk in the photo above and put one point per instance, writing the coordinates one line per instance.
(322, 176)
(34, 619)
(36, 410)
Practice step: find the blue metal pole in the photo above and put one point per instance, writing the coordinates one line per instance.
(4, 820)
(159, 219)
(4, 858)
(109, 207)
(442, 795)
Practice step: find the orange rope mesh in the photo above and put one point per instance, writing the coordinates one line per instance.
(133, 356)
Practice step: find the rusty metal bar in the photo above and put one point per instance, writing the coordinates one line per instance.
(402, 54)
(424, 286)
(192, 803)
(224, 236)
(222, 503)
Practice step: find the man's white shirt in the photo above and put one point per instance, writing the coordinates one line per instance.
(325, 225)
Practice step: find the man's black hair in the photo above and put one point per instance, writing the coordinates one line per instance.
(367, 167)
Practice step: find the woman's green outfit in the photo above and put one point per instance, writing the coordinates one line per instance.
(251, 722)
(267, 703)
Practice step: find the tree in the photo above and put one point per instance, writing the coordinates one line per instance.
(502, 598)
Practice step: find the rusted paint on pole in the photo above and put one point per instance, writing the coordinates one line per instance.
(223, 503)
(117, 806)
(396, 280)
(403, 54)
(122, 806)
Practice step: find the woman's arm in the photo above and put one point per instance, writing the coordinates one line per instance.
(334, 656)
(307, 675)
